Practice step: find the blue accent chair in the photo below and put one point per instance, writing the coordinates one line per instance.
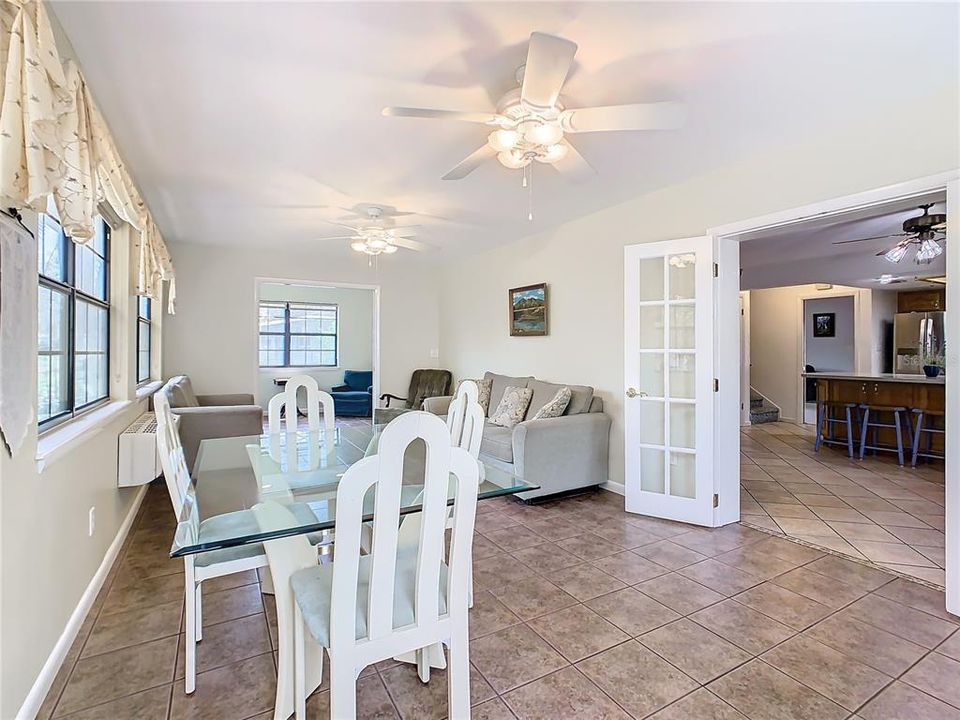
(355, 397)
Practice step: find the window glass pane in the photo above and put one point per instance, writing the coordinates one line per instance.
(143, 351)
(90, 272)
(90, 354)
(52, 337)
(328, 358)
(50, 245)
(143, 307)
(328, 342)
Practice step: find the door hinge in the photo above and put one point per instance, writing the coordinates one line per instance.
(716, 500)
(716, 270)
(716, 385)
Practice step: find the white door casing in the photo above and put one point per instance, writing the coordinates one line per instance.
(669, 379)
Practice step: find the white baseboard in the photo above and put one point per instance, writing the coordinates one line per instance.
(613, 487)
(43, 683)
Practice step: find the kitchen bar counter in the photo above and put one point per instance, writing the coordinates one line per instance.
(879, 377)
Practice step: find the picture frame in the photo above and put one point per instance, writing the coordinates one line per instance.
(824, 325)
(528, 307)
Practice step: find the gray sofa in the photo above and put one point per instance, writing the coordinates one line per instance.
(562, 454)
(210, 416)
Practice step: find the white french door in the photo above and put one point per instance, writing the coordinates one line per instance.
(669, 379)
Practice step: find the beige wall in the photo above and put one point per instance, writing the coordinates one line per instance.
(354, 334)
(582, 261)
(776, 340)
(213, 336)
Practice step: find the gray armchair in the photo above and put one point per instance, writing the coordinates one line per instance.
(201, 417)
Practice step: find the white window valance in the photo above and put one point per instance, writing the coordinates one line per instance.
(54, 141)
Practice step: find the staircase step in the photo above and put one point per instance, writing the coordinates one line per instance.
(756, 402)
(764, 415)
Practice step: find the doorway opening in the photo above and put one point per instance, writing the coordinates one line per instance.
(840, 322)
(328, 331)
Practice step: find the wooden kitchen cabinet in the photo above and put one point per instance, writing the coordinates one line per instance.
(922, 301)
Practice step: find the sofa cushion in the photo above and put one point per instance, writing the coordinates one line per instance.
(484, 386)
(513, 407)
(181, 392)
(500, 383)
(555, 407)
(544, 392)
(497, 441)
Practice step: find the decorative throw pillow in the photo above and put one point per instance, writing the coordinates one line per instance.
(484, 388)
(555, 407)
(513, 407)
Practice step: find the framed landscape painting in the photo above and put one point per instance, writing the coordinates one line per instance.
(528, 310)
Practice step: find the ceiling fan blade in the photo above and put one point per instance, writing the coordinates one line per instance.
(339, 237)
(471, 163)
(405, 231)
(411, 244)
(640, 116)
(548, 61)
(574, 166)
(430, 114)
(875, 237)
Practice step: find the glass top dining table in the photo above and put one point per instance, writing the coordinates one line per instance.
(300, 471)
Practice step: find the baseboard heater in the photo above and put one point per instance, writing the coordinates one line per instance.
(138, 461)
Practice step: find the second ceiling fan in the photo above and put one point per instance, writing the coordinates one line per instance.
(531, 122)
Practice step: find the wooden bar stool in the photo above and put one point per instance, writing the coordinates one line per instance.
(924, 431)
(826, 419)
(900, 421)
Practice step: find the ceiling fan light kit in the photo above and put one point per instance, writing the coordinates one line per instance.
(921, 230)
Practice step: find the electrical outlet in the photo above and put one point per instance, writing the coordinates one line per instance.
(92, 522)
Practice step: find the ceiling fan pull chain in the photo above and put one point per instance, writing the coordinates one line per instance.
(529, 169)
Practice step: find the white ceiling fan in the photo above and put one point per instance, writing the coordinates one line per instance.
(531, 121)
(374, 235)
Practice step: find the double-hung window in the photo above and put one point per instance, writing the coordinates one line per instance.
(73, 314)
(298, 334)
(144, 332)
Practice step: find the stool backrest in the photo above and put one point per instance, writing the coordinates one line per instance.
(172, 459)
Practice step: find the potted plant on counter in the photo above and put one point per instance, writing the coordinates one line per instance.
(933, 363)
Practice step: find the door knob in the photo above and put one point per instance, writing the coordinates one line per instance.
(632, 393)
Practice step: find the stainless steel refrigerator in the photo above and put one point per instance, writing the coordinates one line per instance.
(915, 335)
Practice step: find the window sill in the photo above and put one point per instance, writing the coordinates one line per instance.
(54, 445)
(148, 389)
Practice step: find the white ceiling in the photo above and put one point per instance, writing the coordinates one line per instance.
(250, 123)
(807, 252)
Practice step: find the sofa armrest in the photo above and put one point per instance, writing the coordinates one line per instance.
(438, 405)
(567, 446)
(340, 388)
(203, 423)
(225, 399)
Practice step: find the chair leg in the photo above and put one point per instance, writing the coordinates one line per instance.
(821, 410)
(917, 430)
(299, 667)
(458, 672)
(190, 599)
(343, 690)
(199, 633)
(898, 428)
(863, 431)
(849, 433)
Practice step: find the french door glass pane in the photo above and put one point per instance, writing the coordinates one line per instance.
(682, 375)
(651, 374)
(651, 327)
(651, 279)
(651, 422)
(683, 475)
(682, 276)
(682, 425)
(651, 470)
(682, 335)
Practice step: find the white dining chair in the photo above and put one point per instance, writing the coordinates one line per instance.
(282, 410)
(207, 565)
(465, 419)
(364, 609)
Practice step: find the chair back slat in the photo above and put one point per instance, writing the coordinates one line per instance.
(282, 410)
(465, 418)
(172, 458)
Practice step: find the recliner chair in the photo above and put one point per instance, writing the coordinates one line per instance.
(424, 383)
(355, 397)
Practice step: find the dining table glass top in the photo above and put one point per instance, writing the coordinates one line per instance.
(300, 471)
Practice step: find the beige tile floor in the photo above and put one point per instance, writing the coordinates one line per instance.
(871, 510)
(581, 611)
